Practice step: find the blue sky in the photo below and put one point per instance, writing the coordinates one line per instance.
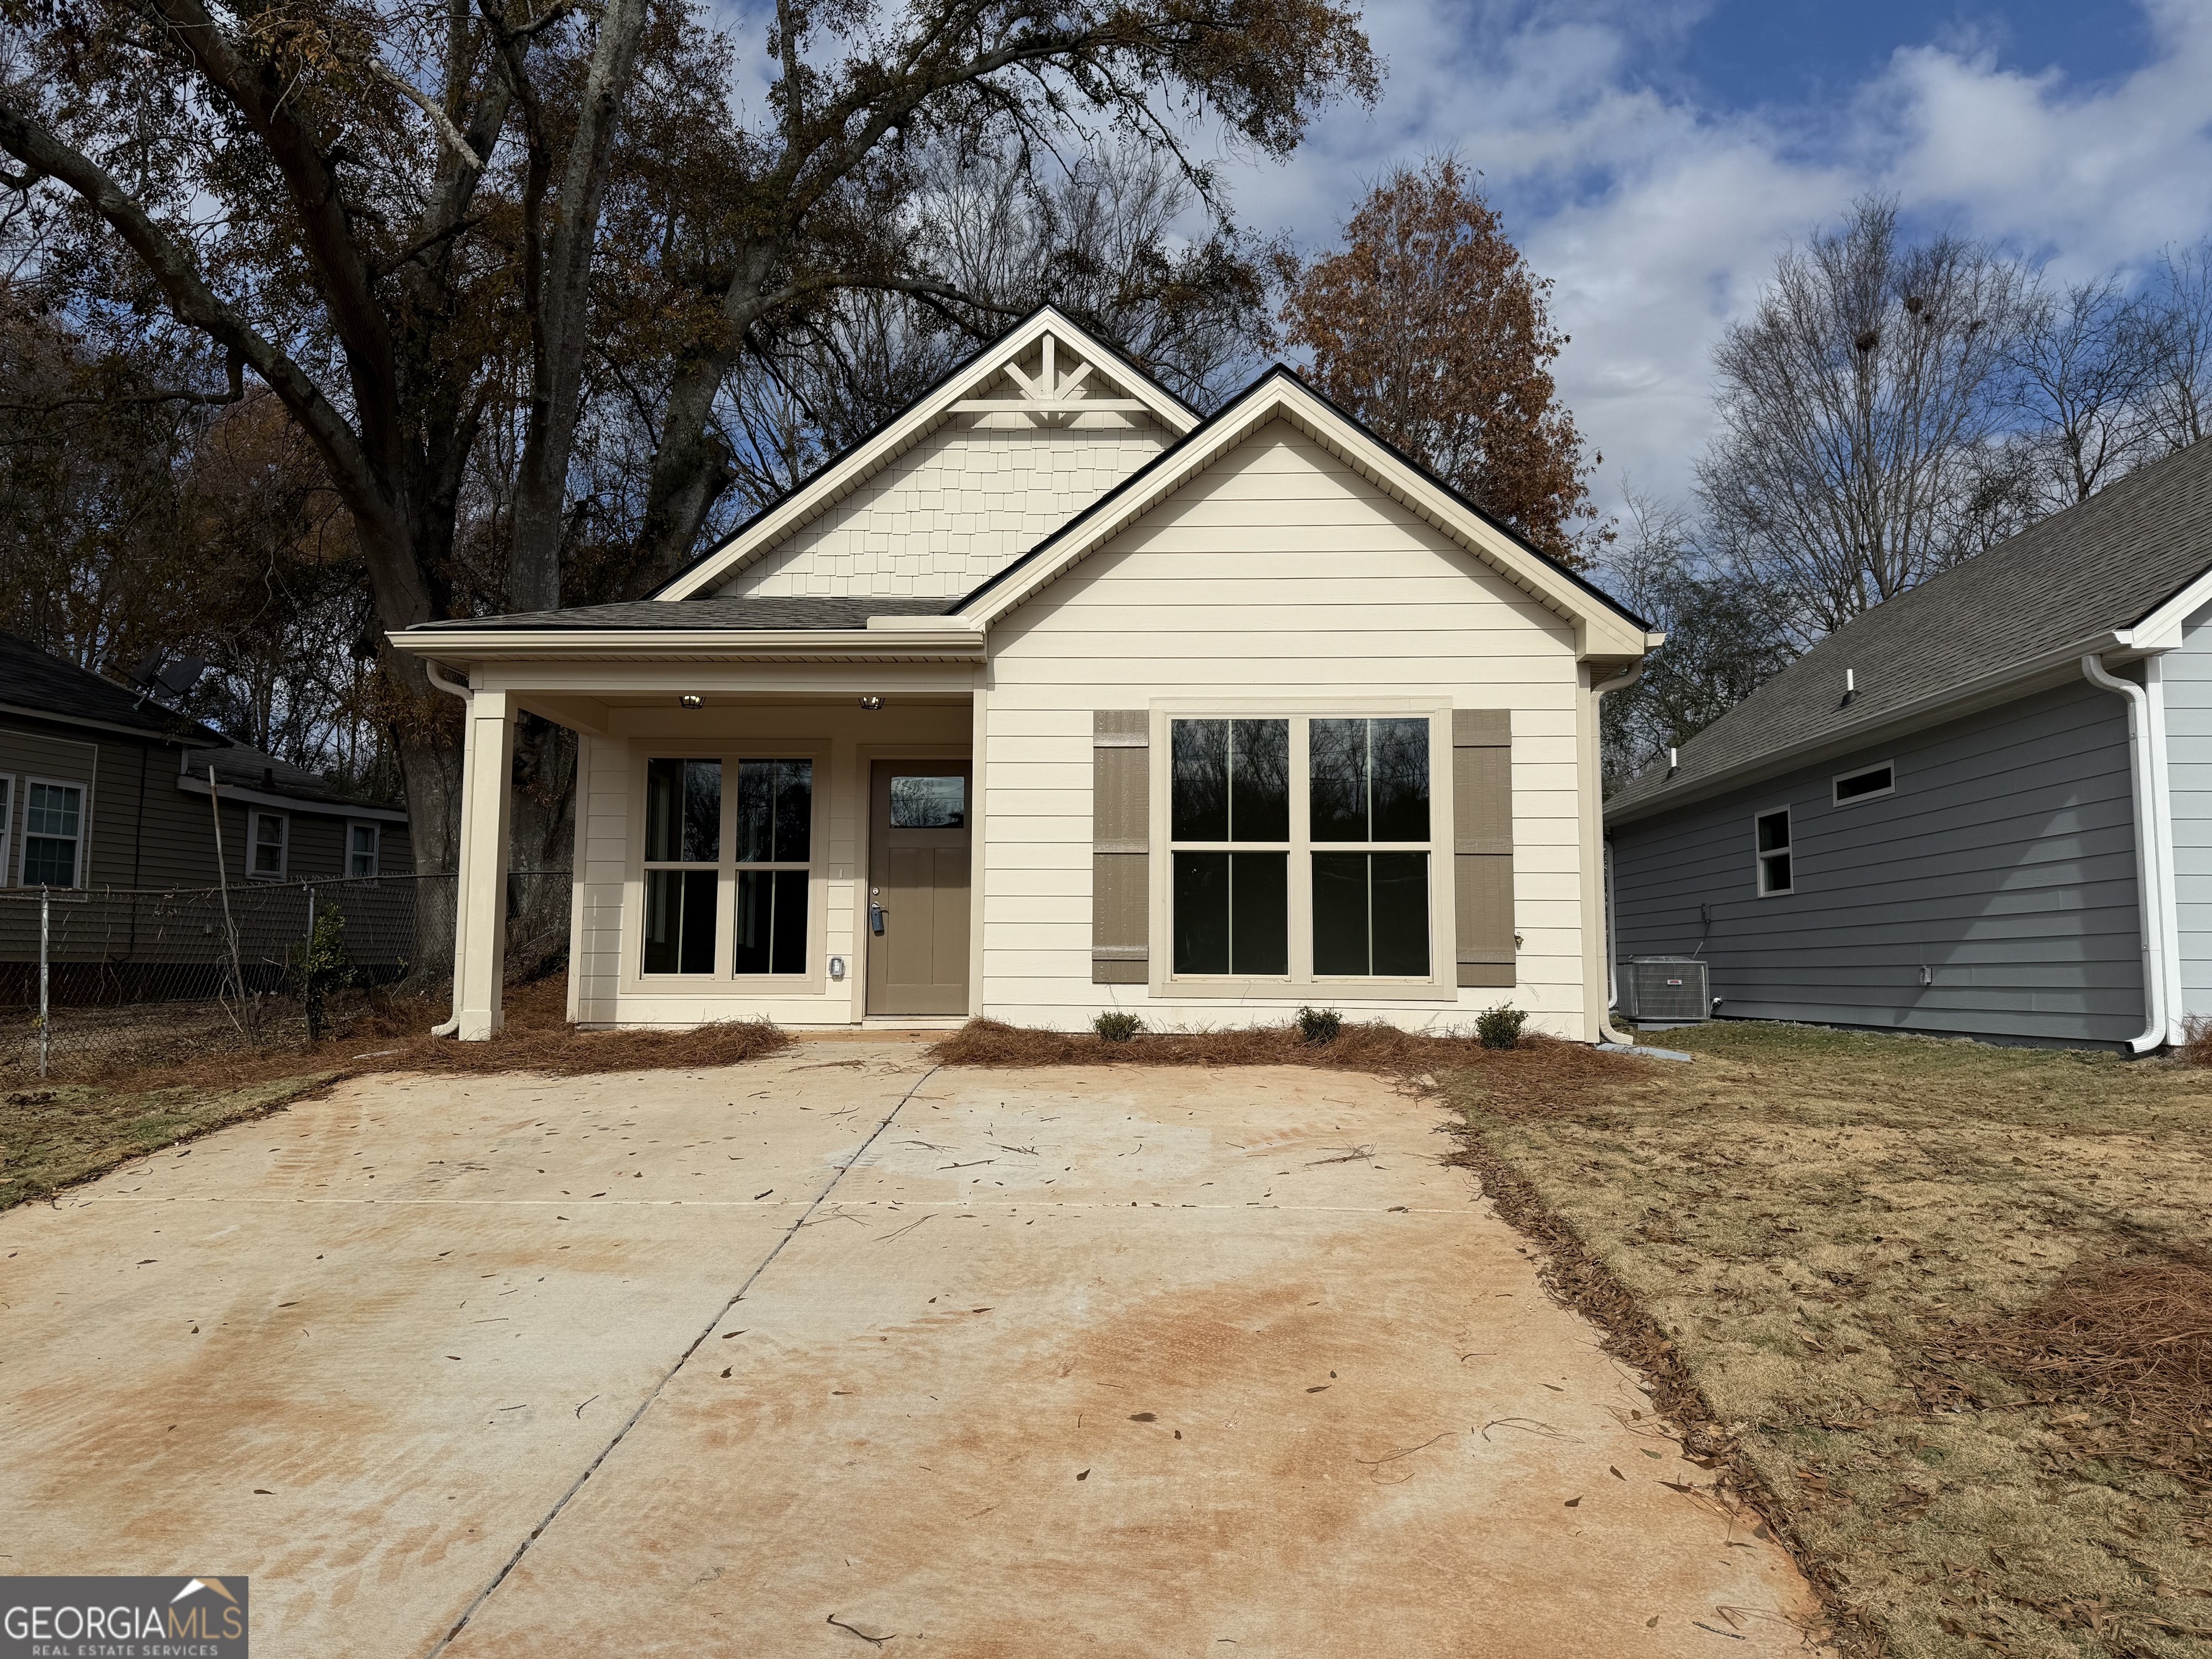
(1652, 156)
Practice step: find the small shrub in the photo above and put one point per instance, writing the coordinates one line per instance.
(1117, 1025)
(1319, 1025)
(1500, 1027)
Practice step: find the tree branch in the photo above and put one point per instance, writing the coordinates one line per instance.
(454, 138)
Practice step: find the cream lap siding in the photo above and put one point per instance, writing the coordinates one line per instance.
(2186, 676)
(1279, 572)
(955, 509)
(602, 864)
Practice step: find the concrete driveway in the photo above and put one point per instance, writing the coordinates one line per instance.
(834, 1354)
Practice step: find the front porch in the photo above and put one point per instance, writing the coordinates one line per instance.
(794, 841)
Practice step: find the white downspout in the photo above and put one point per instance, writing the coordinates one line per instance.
(2150, 884)
(2169, 868)
(1605, 1032)
(451, 688)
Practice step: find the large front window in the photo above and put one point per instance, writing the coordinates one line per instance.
(775, 825)
(682, 864)
(1301, 848)
(756, 864)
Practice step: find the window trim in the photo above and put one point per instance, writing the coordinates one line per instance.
(1759, 856)
(724, 979)
(254, 815)
(375, 849)
(9, 789)
(1840, 779)
(22, 849)
(1301, 983)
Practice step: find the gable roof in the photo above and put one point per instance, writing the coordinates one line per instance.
(36, 682)
(2118, 572)
(1608, 628)
(955, 392)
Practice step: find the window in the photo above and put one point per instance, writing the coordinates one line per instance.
(1773, 837)
(1229, 830)
(264, 844)
(1865, 784)
(1370, 908)
(775, 826)
(1301, 848)
(53, 834)
(682, 865)
(361, 850)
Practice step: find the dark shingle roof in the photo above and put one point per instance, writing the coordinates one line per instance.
(2095, 568)
(33, 679)
(745, 614)
(237, 766)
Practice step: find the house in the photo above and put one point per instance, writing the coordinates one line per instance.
(102, 787)
(1051, 697)
(1983, 808)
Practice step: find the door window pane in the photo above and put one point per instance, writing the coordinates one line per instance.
(679, 920)
(52, 819)
(771, 921)
(929, 803)
(1370, 780)
(682, 812)
(1370, 915)
(1231, 913)
(1230, 780)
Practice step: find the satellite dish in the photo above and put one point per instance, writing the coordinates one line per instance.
(181, 675)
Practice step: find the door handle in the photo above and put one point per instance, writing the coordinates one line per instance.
(876, 914)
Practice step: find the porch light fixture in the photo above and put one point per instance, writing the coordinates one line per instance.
(872, 702)
(692, 700)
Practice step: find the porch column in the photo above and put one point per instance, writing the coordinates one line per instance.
(480, 920)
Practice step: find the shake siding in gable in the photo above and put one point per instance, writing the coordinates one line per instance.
(1277, 572)
(2187, 676)
(955, 509)
(2004, 862)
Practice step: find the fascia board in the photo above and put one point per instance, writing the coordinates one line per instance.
(326, 809)
(853, 470)
(956, 643)
(2161, 629)
(1599, 632)
(2004, 685)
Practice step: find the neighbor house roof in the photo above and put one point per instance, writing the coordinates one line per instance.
(36, 682)
(2114, 572)
(245, 774)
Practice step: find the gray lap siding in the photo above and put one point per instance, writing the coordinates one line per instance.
(2004, 863)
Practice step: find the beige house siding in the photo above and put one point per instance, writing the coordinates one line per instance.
(1279, 572)
(956, 508)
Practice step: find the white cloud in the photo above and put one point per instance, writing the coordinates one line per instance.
(1659, 218)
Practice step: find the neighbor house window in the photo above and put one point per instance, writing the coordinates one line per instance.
(1302, 848)
(266, 833)
(682, 865)
(53, 834)
(775, 840)
(362, 850)
(1865, 783)
(1773, 837)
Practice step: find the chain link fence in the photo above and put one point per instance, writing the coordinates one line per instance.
(99, 976)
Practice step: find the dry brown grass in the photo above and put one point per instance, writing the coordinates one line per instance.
(1941, 1302)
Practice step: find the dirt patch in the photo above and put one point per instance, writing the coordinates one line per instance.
(1938, 1304)
(54, 1137)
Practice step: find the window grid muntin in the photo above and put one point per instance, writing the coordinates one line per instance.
(1301, 846)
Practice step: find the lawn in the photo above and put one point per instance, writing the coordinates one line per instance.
(1946, 1302)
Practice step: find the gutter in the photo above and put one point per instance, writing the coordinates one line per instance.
(2154, 864)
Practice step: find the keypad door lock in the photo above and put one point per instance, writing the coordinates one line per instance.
(876, 914)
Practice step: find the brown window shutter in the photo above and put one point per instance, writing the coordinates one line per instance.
(1482, 844)
(1120, 847)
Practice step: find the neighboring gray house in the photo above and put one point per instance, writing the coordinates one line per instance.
(1983, 808)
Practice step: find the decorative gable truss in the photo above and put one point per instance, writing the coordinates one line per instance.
(1024, 435)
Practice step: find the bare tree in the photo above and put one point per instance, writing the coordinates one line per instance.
(1855, 415)
(2178, 401)
(2078, 377)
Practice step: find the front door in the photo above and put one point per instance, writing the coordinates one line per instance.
(918, 866)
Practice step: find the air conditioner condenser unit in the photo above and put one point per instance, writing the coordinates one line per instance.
(1665, 988)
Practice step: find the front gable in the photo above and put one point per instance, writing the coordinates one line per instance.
(1002, 452)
